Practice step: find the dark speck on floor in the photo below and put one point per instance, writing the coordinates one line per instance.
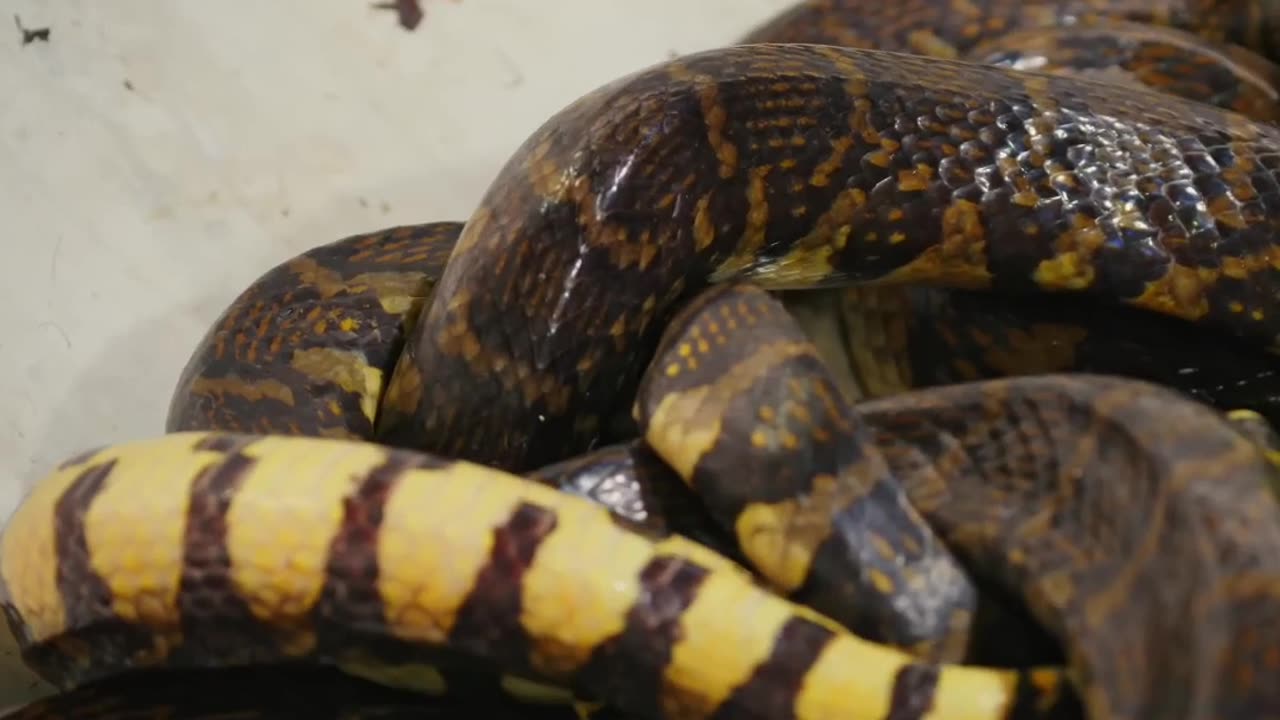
(30, 35)
(410, 12)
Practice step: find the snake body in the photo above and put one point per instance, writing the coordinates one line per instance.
(795, 166)
(368, 454)
(1008, 473)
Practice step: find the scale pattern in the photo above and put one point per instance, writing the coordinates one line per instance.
(338, 486)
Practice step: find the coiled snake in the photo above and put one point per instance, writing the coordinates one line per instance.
(891, 331)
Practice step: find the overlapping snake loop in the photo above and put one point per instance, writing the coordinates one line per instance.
(903, 361)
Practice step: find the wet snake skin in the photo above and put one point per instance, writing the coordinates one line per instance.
(879, 378)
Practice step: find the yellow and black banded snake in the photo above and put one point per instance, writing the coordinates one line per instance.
(909, 361)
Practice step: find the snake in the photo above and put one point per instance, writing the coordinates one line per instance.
(756, 377)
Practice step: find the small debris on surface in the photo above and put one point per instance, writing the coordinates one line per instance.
(383, 205)
(31, 35)
(128, 85)
(517, 77)
(410, 12)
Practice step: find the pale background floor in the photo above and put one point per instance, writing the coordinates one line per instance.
(155, 157)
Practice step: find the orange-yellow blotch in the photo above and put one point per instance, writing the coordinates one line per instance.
(912, 181)
(704, 229)
(879, 158)
(966, 370)
(1226, 211)
(883, 547)
(273, 389)
(910, 545)
(1065, 270)
(1237, 268)
(841, 237)
(883, 583)
(1025, 198)
(821, 176)
(648, 251)
(587, 362)
(800, 413)
(715, 116)
(1181, 292)
(926, 42)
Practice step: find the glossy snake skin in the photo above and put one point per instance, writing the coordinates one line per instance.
(774, 381)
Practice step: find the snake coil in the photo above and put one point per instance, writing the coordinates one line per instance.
(909, 361)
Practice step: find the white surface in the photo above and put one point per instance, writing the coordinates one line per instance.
(252, 132)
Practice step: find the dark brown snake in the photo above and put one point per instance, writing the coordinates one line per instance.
(888, 330)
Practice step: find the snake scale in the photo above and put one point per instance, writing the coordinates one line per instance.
(909, 361)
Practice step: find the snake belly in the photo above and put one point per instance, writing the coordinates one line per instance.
(734, 229)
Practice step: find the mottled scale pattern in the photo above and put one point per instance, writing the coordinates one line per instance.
(1026, 479)
(308, 348)
(950, 29)
(735, 402)
(1167, 608)
(796, 166)
(925, 221)
(1170, 60)
(930, 337)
